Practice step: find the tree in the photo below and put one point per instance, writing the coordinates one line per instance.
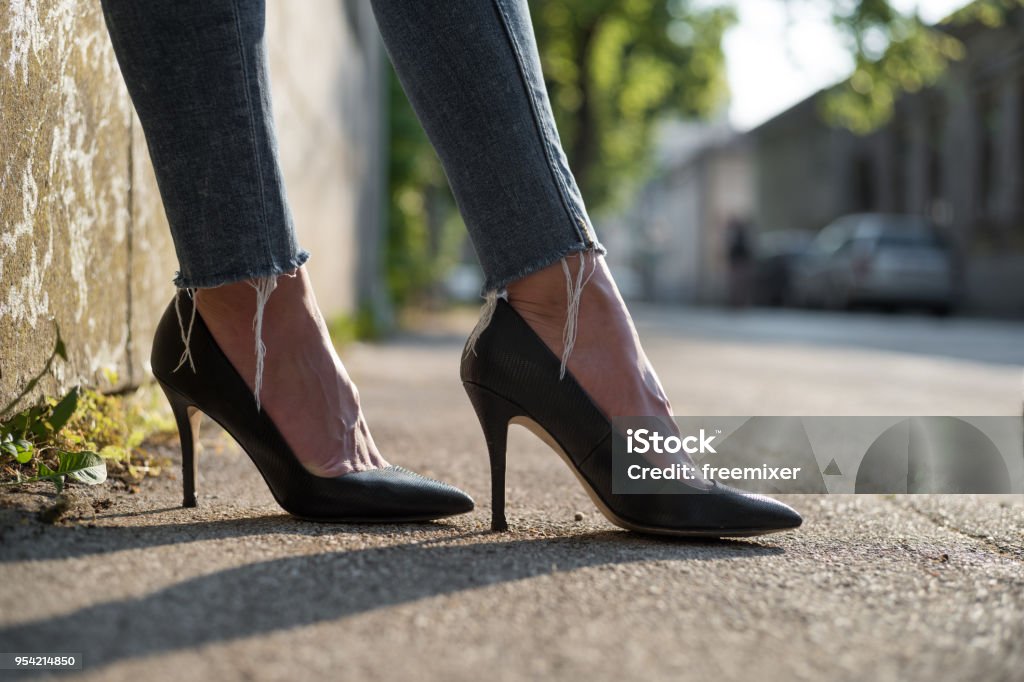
(424, 232)
(614, 67)
(896, 53)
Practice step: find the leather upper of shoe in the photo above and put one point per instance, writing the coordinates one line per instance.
(216, 388)
(510, 360)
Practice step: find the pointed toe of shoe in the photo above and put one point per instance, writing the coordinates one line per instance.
(437, 499)
(778, 516)
(757, 513)
(429, 496)
(387, 495)
(400, 494)
(790, 518)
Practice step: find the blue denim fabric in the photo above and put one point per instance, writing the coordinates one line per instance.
(196, 71)
(197, 75)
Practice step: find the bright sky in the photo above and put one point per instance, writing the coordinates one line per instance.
(778, 56)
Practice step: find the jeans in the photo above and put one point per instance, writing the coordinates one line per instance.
(197, 74)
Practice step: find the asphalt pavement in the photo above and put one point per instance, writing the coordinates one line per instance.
(870, 588)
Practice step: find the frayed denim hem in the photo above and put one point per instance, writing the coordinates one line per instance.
(498, 284)
(211, 281)
(263, 283)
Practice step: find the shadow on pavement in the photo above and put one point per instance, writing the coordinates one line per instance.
(291, 592)
(67, 542)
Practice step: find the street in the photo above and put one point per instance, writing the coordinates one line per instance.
(870, 588)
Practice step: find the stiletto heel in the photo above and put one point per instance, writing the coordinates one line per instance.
(210, 384)
(512, 376)
(188, 419)
(494, 414)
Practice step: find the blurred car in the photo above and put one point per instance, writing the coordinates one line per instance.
(776, 254)
(877, 259)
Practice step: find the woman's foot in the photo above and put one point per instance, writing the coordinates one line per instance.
(305, 389)
(606, 358)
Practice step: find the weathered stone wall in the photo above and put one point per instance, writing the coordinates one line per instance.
(83, 237)
(67, 216)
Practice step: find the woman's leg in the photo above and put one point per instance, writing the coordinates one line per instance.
(472, 73)
(196, 71)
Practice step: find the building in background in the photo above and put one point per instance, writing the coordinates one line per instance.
(670, 244)
(953, 152)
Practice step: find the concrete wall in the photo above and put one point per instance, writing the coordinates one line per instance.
(83, 238)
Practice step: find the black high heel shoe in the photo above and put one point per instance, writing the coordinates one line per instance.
(391, 494)
(511, 376)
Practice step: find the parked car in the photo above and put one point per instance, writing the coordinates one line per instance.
(878, 259)
(776, 254)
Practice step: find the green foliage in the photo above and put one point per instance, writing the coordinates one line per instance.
(79, 435)
(614, 67)
(345, 329)
(424, 231)
(20, 449)
(991, 13)
(30, 435)
(115, 426)
(84, 467)
(895, 54)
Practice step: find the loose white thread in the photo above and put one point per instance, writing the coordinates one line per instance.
(486, 313)
(264, 286)
(574, 294)
(186, 336)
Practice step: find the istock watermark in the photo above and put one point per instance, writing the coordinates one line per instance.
(642, 441)
(941, 454)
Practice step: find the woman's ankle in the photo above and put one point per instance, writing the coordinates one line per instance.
(544, 296)
(238, 300)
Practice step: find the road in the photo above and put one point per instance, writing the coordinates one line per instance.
(871, 587)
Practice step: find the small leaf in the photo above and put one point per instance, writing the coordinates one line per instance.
(85, 467)
(18, 423)
(9, 449)
(40, 430)
(46, 472)
(63, 410)
(25, 450)
(35, 423)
